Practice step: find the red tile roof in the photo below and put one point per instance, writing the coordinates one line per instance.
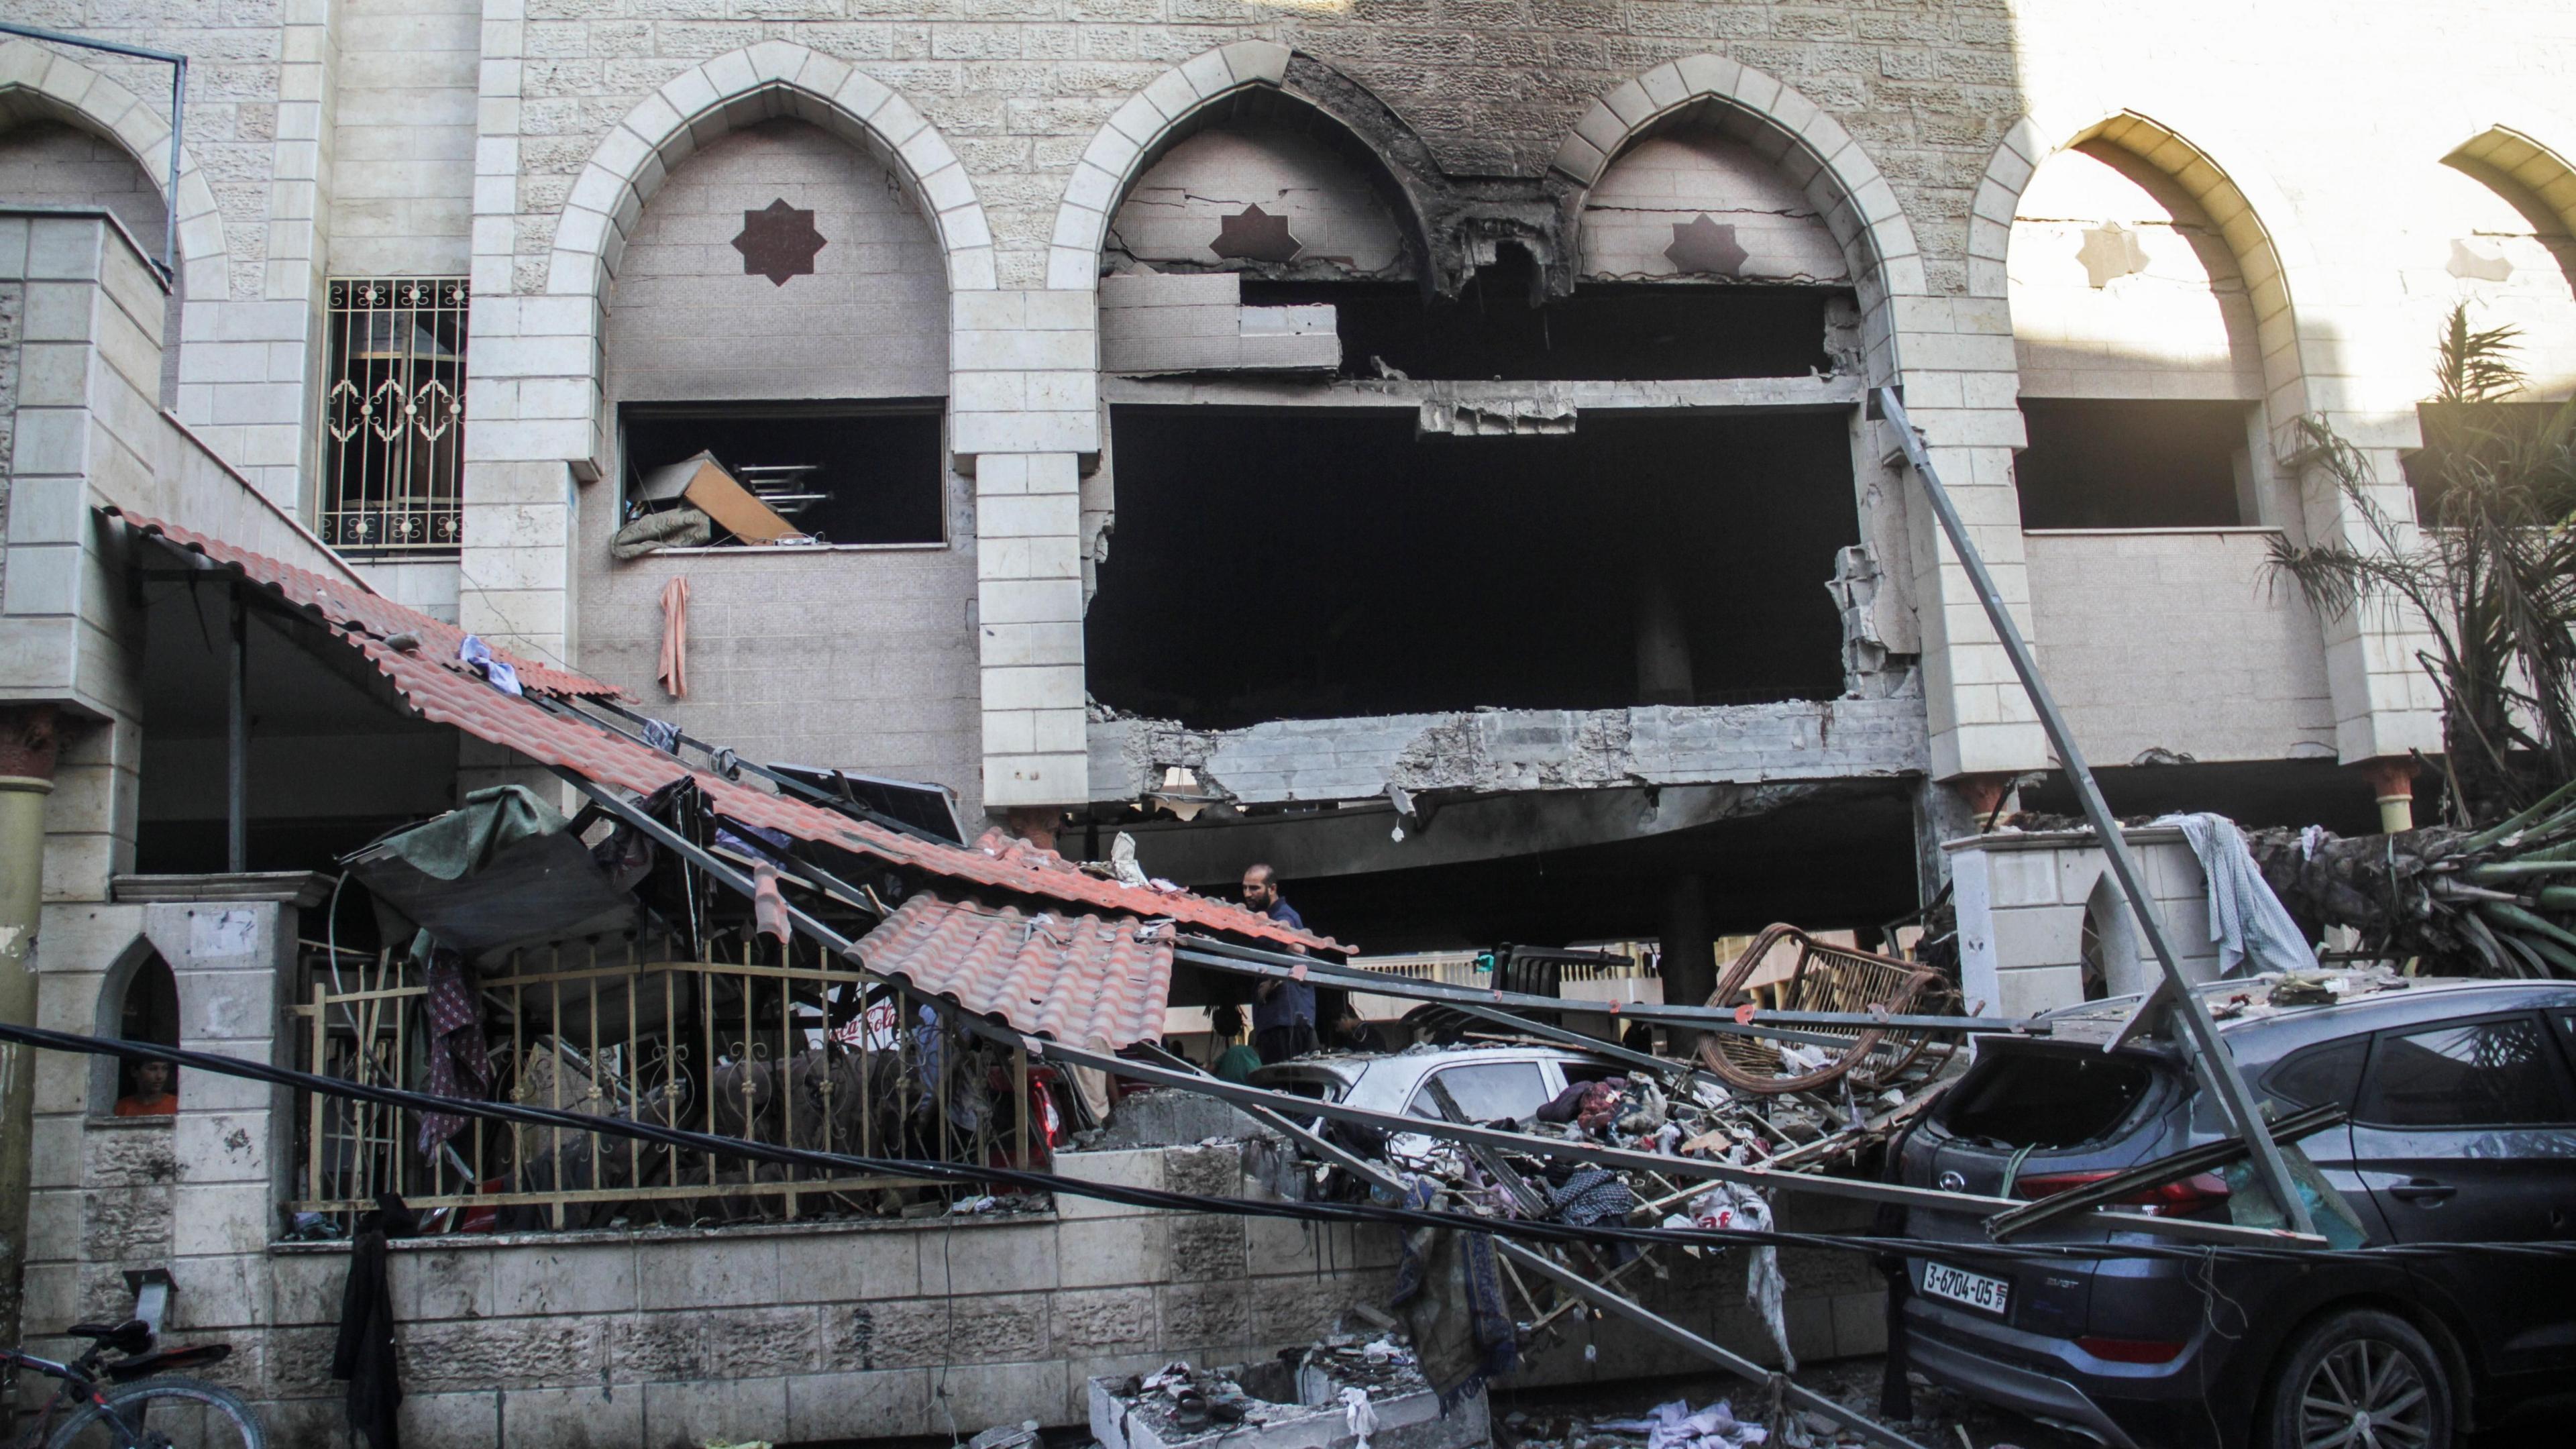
(1085, 980)
(366, 612)
(444, 692)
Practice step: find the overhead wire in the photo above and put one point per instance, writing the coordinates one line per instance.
(1033, 1180)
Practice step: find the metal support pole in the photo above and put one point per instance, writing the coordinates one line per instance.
(2216, 1064)
(237, 735)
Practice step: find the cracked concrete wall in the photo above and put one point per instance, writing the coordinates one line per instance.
(1514, 750)
(1694, 203)
(1320, 215)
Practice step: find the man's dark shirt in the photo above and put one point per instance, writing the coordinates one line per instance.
(1293, 1004)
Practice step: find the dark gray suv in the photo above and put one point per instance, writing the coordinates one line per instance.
(2463, 1102)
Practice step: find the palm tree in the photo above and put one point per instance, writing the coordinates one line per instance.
(2491, 577)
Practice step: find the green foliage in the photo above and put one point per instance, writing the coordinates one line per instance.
(2491, 575)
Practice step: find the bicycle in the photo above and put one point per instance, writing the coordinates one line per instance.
(136, 1402)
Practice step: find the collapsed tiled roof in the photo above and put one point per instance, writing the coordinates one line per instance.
(440, 690)
(1018, 966)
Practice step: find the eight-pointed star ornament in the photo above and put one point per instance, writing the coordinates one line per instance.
(1704, 244)
(1255, 235)
(2109, 252)
(778, 241)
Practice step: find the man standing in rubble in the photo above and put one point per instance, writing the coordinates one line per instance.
(1283, 1012)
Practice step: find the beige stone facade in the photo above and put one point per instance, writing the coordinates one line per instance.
(1035, 232)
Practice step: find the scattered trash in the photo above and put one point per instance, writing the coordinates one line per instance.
(1676, 1426)
(1006, 1436)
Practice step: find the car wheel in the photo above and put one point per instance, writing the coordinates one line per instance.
(2360, 1378)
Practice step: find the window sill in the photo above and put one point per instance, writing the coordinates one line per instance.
(114, 1123)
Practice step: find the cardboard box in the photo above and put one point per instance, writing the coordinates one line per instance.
(711, 490)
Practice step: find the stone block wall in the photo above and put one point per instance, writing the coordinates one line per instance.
(2023, 900)
(196, 1193)
(818, 1331)
(2178, 640)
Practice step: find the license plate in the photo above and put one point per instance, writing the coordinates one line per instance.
(1976, 1290)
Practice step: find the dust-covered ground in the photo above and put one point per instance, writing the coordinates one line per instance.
(1942, 1419)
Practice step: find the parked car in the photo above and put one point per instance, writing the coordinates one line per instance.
(2463, 1102)
(1490, 1083)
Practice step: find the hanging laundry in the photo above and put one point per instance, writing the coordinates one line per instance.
(673, 671)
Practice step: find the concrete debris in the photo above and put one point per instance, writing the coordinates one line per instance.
(1021, 1435)
(1490, 750)
(1545, 412)
(1170, 1119)
(1340, 1394)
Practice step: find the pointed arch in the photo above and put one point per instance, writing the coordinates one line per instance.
(1152, 120)
(2534, 168)
(1794, 134)
(774, 78)
(2251, 215)
(36, 83)
(139, 963)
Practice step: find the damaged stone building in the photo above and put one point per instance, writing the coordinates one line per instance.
(1423, 444)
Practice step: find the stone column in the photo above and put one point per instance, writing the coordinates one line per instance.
(27, 753)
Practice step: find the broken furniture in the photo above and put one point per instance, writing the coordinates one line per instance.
(706, 485)
(1831, 978)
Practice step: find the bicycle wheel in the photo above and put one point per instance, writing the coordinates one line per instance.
(169, 1412)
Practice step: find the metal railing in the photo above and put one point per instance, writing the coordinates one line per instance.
(792, 1051)
(393, 414)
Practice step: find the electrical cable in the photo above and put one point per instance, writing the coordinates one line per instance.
(1026, 1179)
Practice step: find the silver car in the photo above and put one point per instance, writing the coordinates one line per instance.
(1490, 1083)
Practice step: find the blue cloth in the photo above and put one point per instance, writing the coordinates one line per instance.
(1293, 1004)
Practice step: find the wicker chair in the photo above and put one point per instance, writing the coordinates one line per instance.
(1825, 978)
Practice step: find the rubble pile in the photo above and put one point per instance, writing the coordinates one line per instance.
(1343, 1393)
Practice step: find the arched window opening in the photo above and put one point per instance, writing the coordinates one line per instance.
(2107, 944)
(2134, 331)
(148, 1010)
(828, 430)
(1689, 545)
(45, 158)
(2488, 239)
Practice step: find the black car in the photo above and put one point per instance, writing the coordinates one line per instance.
(2463, 1103)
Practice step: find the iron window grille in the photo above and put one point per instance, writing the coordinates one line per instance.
(393, 416)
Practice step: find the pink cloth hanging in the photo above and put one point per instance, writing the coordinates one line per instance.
(674, 668)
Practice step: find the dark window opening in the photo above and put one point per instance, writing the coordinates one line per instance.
(2462, 438)
(1636, 332)
(838, 473)
(1313, 565)
(149, 1013)
(2045, 1098)
(2479, 1074)
(2322, 1076)
(393, 415)
(2096, 463)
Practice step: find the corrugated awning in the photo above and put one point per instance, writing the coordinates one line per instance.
(444, 691)
(1085, 980)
